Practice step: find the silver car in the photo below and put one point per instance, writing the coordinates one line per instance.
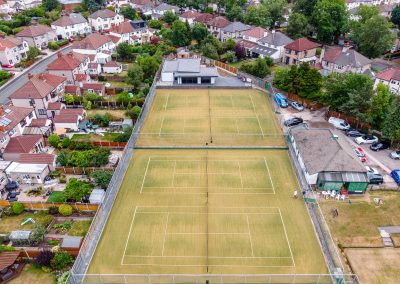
(395, 155)
(297, 106)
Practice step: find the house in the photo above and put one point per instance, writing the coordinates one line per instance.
(189, 16)
(203, 18)
(299, 51)
(68, 119)
(12, 50)
(96, 44)
(94, 69)
(5, 10)
(70, 5)
(98, 88)
(39, 159)
(255, 34)
(73, 90)
(37, 35)
(3, 176)
(112, 67)
(187, 71)
(143, 6)
(163, 7)
(13, 121)
(40, 126)
(344, 60)
(23, 144)
(264, 52)
(233, 30)
(216, 24)
(391, 78)
(276, 40)
(69, 65)
(325, 163)
(71, 25)
(102, 20)
(27, 173)
(38, 92)
(126, 32)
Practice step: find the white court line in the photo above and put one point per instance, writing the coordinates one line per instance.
(199, 256)
(165, 235)
(211, 193)
(173, 176)
(269, 174)
(211, 187)
(208, 234)
(129, 235)
(237, 127)
(166, 103)
(162, 123)
(259, 124)
(249, 233)
(287, 239)
(184, 125)
(225, 207)
(212, 265)
(240, 173)
(200, 213)
(145, 174)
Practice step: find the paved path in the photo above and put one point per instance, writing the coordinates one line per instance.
(17, 82)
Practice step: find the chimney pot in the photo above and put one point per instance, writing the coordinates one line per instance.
(1, 111)
(30, 76)
(59, 54)
(41, 77)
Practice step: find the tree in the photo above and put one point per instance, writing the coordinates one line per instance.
(77, 189)
(373, 37)
(44, 258)
(209, 50)
(149, 65)
(124, 50)
(310, 82)
(32, 53)
(54, 139)
(305, 7)
(258, 68)
(365, 12)
(49, 5)
(391, 126)
(235, 13)
(380, 106)
(240, 51)
(298, 26)
(170, 17)
(330, 19)
(94, 5)
(179, 34)
(102, 178)
(276, 10)
(258, 16)
(128, 12)
(395, 18)
(154, 24)
(199, 32)
(61, 260)
(134, 112)
(135, 76)
(282, 79)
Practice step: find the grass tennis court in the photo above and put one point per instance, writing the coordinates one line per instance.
(208, 211)
(211, 116)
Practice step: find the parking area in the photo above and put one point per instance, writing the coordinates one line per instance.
(380, 160)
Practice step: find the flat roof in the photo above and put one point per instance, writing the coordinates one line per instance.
(26, 168)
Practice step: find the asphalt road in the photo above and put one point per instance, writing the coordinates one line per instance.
(10, 88)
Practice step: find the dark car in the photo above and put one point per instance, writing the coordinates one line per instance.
(376, 179)
(293, 121)
(354, 133)
(381, 145)
(11, 185)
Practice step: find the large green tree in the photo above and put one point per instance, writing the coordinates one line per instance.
(276, 10)
(128, 12)
(305, 7)
(94, 5)
(395, 17)
(124, 51)
(149, 65)
(391, 125)
(380, 106)
(135, 76)
(170, 17)
(199, 32)
(49, 5)
(330, 19)
(258, 16)
(77, 189)
(298, 26)
(235, 13)
(179, 34)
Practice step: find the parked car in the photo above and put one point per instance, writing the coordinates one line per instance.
(339, 123)
(395, 155)
(5, 65)
(297, 106)
(12, 185)
(395, 174)
(366, 139)
(293, 121)
(71, 39)
(360, 154)
(371, 170)
(375, 179)
(354, 133)
(381, 145)
(281, 100)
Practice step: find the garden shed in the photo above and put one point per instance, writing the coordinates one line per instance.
(20, 237)
(70, 242)
(96, 196)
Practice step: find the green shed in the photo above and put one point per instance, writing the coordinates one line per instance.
(330, 181)
(354, 182)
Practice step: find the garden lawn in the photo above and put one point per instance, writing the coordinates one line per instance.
(108, 136)
(116, 114)
(33, 274)
(79, 228)
(56, 196)
(11, 223)
(120, 84)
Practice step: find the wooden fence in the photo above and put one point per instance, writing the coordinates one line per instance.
(79, 171)
(355, 122)
(110, 144)
(307, 103)
(38, 205)
(225, 66)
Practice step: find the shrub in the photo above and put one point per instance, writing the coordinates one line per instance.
(65, 210)
(17, 208)
(62, 179)
(61, 260)
(62, 42)
(44, 258)
(102, 178)
(38, 233)
(77, 189)
(53, 210)
(65, 142)
(124, 137)
(6, 248)
(53, 45)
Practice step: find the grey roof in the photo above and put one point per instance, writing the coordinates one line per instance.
(69, 20)
(188, 67)
(263, 50)
(71, 242)
(352, 58)
(236, 27)
(166, 7)
(343, 177)
(320, 152)
(276, 39)
(20, 235)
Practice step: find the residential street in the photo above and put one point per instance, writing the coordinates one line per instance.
(8, 89)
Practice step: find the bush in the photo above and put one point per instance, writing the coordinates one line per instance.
(124, 137)
(54, 139)
(6, 248)
(53, 210)
(61, 260)
(65, 210)
(102, 178)
(77, 189)
(63, 180)
(17, 208)
(44, 258)
(53, 45)
(38, 234)
(62, 42)
(65, 142)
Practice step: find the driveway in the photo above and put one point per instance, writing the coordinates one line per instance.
(20, 80)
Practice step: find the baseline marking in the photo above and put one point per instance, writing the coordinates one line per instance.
(269, 173)
(129, 235)
(145, 174)
(166, 103)
(287, 239)
(165, 235)
(251, 242)
(240, 174)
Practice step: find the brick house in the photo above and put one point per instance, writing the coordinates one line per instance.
(23, 144)
(69, 65)
(12, 50)
(299, 51)
(37, 35)
(102, 20)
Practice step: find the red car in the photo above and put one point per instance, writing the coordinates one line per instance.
(71, 39)
(360, 153)
(7, 65)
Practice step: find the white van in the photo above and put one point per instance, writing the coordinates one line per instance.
(339, 123)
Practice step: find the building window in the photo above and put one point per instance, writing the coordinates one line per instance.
(23, 123)
(3, 139)
(42, 112)
(12, 131)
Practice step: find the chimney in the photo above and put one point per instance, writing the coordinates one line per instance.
(30, 76)
(59, 54)
(1, 111)
(41, 77)
(346, 46)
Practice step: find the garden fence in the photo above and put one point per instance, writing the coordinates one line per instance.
(44, 205)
